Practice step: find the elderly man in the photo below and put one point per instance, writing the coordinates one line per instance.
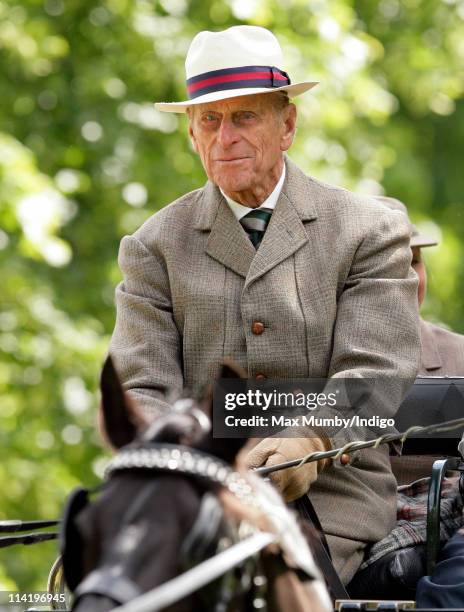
(288, 276)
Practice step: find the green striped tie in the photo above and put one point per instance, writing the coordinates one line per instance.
(255, 223)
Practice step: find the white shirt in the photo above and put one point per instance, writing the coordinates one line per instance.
(240, 211)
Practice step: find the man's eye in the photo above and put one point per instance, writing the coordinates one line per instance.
(245, 116)
(209, 117)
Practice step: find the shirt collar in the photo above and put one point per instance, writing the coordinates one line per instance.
(240, 211)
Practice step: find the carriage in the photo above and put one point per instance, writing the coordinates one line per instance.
(431, 401)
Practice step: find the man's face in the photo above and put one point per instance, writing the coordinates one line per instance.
(240, 142)
(419, 268)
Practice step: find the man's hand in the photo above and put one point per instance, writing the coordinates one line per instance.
(292, 482)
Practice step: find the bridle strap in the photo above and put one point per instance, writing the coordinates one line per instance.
(175, 458)
(16, 525)
(187, 583)
(28, 538)
(321, 551)
(108, 582)
(203, 532)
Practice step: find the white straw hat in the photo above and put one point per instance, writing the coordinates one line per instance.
(239, 61)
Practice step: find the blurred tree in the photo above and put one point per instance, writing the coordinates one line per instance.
(85, 159)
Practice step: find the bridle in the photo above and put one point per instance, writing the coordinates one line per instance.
(175, 459)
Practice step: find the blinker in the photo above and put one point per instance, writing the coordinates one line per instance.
(71, 545)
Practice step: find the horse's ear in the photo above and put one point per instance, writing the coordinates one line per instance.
(230, 369)
(224, 448)
(120, 421)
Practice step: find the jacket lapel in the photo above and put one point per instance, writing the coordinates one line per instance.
(286, 232)
(227, 242)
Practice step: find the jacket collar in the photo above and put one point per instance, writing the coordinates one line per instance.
(296, 187)
(299, 191)
(431, 359)
(229, 244)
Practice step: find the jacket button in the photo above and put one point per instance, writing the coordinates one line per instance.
(260, 377)
(257, 328)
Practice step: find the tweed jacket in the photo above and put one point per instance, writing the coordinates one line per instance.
(442, 351)
(332, 283)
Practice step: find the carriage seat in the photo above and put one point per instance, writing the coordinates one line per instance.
(430, 400)
(396, 574)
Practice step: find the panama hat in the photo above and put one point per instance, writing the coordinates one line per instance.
(417, 239)
(239, 61)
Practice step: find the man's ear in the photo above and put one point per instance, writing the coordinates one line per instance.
(289, 122)
(119, 420)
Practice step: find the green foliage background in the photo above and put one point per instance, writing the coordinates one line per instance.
(85, 159)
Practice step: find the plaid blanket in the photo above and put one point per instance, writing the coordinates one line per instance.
(411, 517)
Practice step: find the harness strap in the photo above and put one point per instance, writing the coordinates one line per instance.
(27, 538)
(321, 551)
(187, 583)
(16, 525)
(200, 540)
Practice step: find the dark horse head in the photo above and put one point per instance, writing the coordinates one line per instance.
(164, 508)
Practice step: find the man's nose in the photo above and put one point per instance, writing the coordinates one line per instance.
(228, 133)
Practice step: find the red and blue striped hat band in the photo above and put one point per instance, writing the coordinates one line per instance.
(236, 78)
